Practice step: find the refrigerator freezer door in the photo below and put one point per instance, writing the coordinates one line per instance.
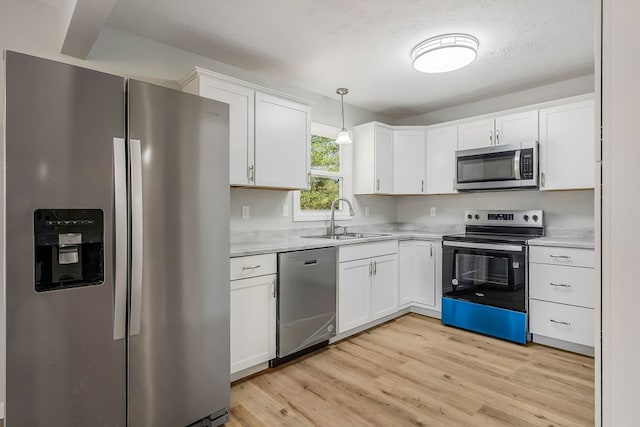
(63, 365)
(179, 360)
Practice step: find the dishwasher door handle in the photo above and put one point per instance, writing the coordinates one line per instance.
(311, 262)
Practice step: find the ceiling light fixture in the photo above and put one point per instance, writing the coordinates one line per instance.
(444, 53)
(343, 135)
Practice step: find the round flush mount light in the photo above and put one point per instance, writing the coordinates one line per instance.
(444, 53)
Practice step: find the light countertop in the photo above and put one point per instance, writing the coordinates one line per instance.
(296, 243)
(581, 242)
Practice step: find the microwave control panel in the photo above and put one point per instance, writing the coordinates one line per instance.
(526, 163)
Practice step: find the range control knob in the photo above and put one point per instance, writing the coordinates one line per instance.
(526, 218)
(535, 218)
(469, 216)
(477, 216)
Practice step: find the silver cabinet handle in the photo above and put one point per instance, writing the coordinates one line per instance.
(120, 261)
(497, 136)
(378, 184)
(273, 287)
(560, 322)
(250, 267)
(542, 179)
(431, 250)
(422, 186)
(560, 256)
(490, 137)
(370, 268)
(137, 236)
(251, 173)
(560, 285)
(375, 267)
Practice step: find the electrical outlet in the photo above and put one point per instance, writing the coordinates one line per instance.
(285, 210)
(366, 211)
(245, 212)
(433, 211)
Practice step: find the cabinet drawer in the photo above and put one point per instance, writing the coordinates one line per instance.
(252, 266)
(562, 256)
(563, 322)
(367, 250)
(562, 284)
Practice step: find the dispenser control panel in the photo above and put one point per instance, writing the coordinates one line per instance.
(69, 248)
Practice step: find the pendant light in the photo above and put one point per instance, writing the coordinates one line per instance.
(343, 135)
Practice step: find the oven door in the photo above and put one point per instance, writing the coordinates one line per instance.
(485, 273)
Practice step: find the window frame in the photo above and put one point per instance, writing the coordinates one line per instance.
(345, 173)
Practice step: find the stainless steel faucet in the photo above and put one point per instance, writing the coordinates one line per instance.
(332, 226)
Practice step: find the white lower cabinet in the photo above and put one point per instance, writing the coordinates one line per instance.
(562, 296)
(417, 273)
(367, 283)
(253, 318)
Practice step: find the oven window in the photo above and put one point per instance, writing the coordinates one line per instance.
(482, 270)
(494, 167)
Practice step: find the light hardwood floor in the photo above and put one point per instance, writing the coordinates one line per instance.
(414, 371)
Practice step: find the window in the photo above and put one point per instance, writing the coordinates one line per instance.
(330, 177)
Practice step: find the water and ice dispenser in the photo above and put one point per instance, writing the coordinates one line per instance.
(69, 248)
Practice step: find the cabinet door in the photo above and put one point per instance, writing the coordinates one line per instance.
(241, 116)
(424, 273)
(442, 144)
(253, 321)
(354, 294)
(408, 162)
(515, 128)
(567, 146)
(384, 286)
(383, 158)
(282, 142)
(405, 273)
(475, 134)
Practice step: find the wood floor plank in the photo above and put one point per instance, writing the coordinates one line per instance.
(414, 371)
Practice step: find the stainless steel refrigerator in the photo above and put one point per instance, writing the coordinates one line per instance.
(117, 250)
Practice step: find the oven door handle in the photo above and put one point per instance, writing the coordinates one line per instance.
(490, 246)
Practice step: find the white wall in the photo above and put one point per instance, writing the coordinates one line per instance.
(266, 210)
(544, 93)
(620, 207)
(562, 209)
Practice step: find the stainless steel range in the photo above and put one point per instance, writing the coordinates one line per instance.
(485, 274)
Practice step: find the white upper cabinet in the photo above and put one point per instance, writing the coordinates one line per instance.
(475, 134)
(409, 162)
(283, 135)
(373, 159)
(567, 146)
(500, 130)
(442, 143)
(269, 133)
(515, 128)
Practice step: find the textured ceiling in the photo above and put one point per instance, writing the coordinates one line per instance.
(320, 45)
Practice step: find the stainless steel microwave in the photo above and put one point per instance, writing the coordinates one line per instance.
(498, 167)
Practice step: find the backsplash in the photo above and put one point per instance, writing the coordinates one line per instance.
(265, 211)
(562, 209)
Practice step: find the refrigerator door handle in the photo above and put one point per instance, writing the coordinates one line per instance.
(135, 156)
(120, 207)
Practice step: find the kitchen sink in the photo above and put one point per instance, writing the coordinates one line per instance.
(346, 236)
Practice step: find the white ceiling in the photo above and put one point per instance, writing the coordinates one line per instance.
(320, 45)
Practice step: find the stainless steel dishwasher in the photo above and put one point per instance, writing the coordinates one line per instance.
(306, 302)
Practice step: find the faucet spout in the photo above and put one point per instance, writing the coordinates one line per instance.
(332, 226)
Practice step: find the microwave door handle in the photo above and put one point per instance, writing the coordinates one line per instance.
(516, 166)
